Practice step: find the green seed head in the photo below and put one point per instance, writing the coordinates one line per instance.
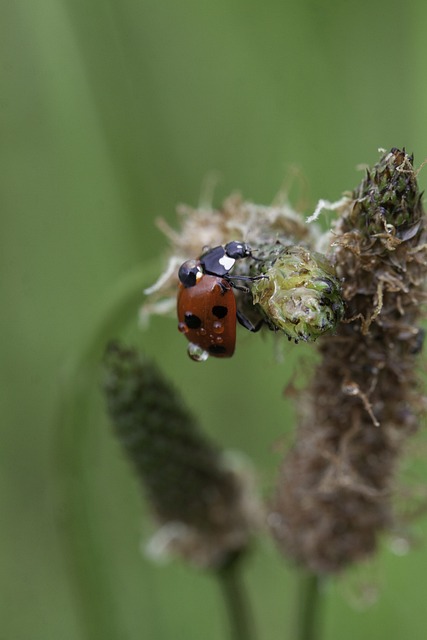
(302, 295)
(202, 499)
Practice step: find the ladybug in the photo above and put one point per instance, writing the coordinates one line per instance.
(206, 305)
(207, 317)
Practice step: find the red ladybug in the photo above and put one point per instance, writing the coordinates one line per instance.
(206, 305)
(207, 317)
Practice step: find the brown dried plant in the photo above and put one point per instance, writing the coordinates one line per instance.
(335, 490)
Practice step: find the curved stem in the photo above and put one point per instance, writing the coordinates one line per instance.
(236, 602)
(308, 607)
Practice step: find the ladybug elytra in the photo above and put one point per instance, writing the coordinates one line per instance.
(207, 315)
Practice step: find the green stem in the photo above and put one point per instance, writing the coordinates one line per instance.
(236, 602)
(80, 534)
(308, 607)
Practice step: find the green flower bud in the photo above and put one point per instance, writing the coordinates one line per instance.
(302, 294)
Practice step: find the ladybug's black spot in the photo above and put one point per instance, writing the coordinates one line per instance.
(192, 321)
(219, 311)
(217, 348)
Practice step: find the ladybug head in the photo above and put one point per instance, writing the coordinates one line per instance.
(238, 250)
(189, 272)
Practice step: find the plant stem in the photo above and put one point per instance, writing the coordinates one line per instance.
(308, 607)
(236, 602)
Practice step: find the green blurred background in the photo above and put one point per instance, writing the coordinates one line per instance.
(112, 112)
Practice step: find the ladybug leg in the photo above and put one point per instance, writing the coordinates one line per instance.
(225, 286)
(245, 278)
(248, 278)
(245, 322)
(239, 287)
